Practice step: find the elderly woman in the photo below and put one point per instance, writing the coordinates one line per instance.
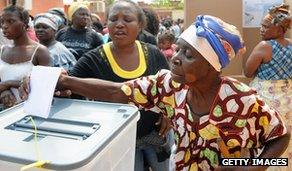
(270, 63)
(213, 117)
(78, 37)
(46, 25)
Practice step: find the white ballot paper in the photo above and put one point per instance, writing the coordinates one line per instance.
(43, 81)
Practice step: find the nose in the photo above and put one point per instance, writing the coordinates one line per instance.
(120, 24)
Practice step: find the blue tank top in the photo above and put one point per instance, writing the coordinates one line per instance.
(280, 66)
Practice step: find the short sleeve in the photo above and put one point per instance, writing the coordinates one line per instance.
(142, 91)
(268, 123)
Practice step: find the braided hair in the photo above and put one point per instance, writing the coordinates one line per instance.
(20, 11)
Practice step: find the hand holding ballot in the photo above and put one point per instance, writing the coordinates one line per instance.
(36, 89)
(24, 88)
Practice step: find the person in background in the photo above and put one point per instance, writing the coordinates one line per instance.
(166, 44)
(213, 117)
(60, 13)
(96, 24)
(181, 24)
(78, 37)
(17, 60)
(152, 21)
(147, 37)
(30, 30)
(270, 65)
(46, 25)
(125, 58)
(175, 28)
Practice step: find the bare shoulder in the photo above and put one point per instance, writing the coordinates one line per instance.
(264, 44)
(263, 47)
(42, 56)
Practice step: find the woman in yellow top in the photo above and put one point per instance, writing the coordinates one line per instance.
(121, 60)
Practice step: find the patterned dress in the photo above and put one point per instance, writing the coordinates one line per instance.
(273, 82)
(239, 123)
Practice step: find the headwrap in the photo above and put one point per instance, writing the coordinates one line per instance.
(48, 19)
(279, 15)
(60, 13)
(217, 41)
(96, 16)
(74, 7)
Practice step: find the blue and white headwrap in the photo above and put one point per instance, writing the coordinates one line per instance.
(217, 41)
(49, 19)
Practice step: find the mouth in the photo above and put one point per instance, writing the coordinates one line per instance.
(120, 34)
(6, 34)
(176, 76)
(40, 34)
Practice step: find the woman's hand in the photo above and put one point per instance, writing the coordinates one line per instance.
(24, 88)
(165, 125)
(7, 99)
(6, 85)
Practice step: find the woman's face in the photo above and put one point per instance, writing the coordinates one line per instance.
(43, 32)
(187, 64)
(268, 30)
(12, 25)
(81, 18)
(123, 23)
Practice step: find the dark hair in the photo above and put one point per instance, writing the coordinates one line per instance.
(21, 12)
(139, 11)
(167, 23)
(152, 21)
(98, 26)
(60, 13)
(166, 35)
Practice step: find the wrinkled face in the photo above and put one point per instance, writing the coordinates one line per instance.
(188, 65)
(43, 32)
(123, 23)
(268, 30)
(81, 18)
(12, 25)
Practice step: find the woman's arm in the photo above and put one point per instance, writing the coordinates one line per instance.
(275, 148)
(8, 84)
(261, 53)
(93, 88)
(42, 57)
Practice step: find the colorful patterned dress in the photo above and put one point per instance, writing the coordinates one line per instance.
(273, 82)
(238, 124)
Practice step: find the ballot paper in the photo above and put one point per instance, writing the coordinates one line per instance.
(43, 81)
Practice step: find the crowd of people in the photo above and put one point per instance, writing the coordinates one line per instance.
(190, 115)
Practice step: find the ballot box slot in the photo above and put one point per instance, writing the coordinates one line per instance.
(56, 127)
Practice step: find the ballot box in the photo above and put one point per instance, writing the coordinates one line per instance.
(77, 135)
